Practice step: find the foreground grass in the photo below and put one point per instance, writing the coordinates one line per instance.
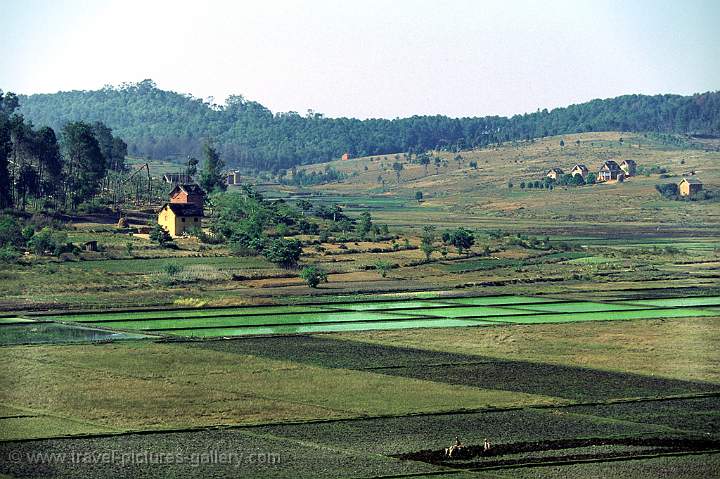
(684, 349)
(133, 386)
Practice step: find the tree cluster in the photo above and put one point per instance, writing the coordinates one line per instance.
(36, 167)
(165, 124)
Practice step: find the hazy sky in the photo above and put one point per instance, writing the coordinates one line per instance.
(368, 58)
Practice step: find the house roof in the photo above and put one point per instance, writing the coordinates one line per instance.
(610, 165)
(184, 209)
(177, 178)
(581, 166)
(188, 188)
(692, 181)
(629, 162)
(556, 170)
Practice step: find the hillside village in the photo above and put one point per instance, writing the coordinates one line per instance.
(612, 172)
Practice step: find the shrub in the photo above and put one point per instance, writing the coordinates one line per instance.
(285, 253)
(461, 239)
(160, 235)
(313, 276)
(10, 232)
(172, 269)
(8, 254)
(383, 267)
(94, 206)
(50, 241)
(203, 237)
(668, 190)
(307, 228)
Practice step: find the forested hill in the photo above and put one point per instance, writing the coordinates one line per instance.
(162, 124)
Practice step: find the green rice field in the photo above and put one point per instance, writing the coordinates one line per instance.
(578, 307)
(47, 333)
(675, 302)
(434, 312)
(185, 313)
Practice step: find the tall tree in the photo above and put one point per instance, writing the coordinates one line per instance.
(50, 162)
(8, 104)
(191, 166)
(113, 148)
(365, 225)
(425, 161)
(428, 239)
(85, 165)
(398, 167)
(211, 175)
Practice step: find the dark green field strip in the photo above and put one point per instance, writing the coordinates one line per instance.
(677, 302)
(256, 320)
(568, 382)
(576, 307)
(307, 328)
(231, 453)
(386, 305)
(52, 333)
(690, 414)
(478, 312)
(399, 435)
(345, 448)
(603, 316)
(677, 466)
(499, 300)
(485, 264)
(185, 313)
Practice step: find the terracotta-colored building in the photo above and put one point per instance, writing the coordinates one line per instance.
(189, 193)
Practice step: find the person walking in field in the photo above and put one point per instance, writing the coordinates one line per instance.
(449, 451)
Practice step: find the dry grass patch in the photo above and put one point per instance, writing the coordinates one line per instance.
(684, 349)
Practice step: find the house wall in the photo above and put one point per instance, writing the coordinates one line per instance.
(179, 197)
(166, 219)
(628, 169)
(687, 189)
(182, 197)
(184, 223)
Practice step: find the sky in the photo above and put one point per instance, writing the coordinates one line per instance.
(367, 58)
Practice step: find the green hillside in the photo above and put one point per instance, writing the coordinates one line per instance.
(165, 124)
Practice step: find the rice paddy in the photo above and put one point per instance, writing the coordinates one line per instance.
(50, 333)
(437, 312)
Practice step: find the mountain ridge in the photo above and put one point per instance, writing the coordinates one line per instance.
(166, 124)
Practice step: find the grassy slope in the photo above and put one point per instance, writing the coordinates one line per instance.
(618, 223)
(482, 195)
